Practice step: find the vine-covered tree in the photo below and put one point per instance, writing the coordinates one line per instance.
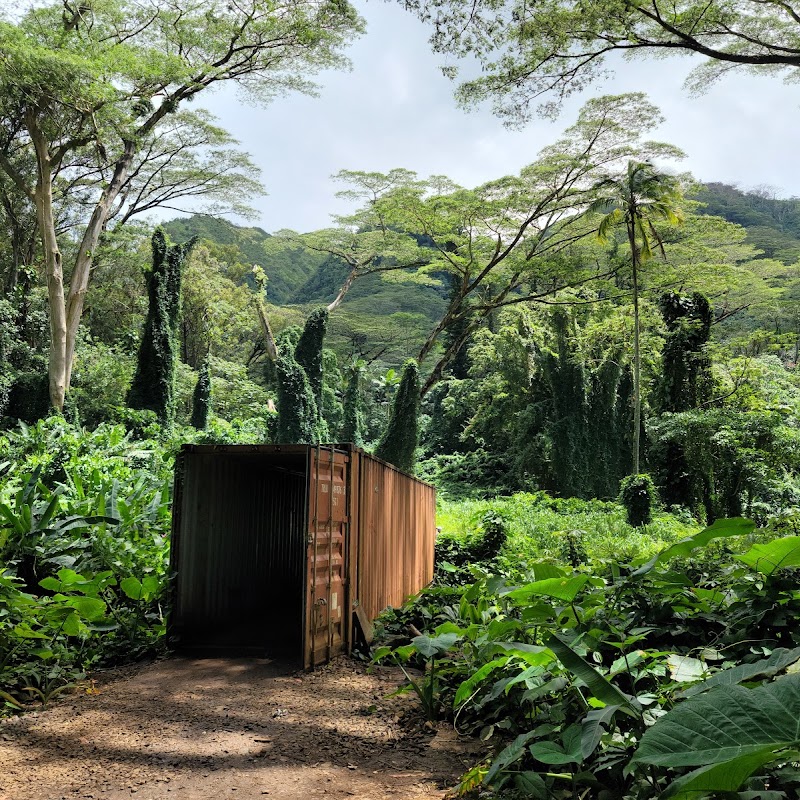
(298, 414)
(352, 429)
(201, 398)
(153, 384)
(308, 351)
(686, 380)
(398, 444)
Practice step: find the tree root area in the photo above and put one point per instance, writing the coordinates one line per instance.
(197, 729)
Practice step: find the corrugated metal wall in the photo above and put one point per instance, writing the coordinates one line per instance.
(240, 551)
(397, 531)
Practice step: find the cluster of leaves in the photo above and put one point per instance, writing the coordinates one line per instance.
(84, 521)
(622, 681)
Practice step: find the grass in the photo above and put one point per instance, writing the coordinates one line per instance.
(543, 528)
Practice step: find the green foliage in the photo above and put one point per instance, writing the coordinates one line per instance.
(201, 399)
(308, 350)
(398, 444)
(298, 416)
(153, 383)
(352, 429)
(619, 682)
(686, 381)
(638, 494)
(84, 519)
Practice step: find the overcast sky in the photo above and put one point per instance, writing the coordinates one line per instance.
(395, 109)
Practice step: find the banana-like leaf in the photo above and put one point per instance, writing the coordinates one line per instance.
(601, 688)
(778, 553)
(565, 589)
(724, 724)
(725, 777)
(722, 528)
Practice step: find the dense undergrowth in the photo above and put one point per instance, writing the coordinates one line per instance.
(611, 677)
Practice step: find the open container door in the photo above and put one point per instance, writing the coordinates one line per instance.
(328, 521)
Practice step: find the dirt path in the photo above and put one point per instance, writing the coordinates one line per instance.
(188, 729)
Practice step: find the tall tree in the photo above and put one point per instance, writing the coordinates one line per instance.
(398, 444)
(153, 384)
(546, 50)
(88, 88)
(635, 201)
(505, 242)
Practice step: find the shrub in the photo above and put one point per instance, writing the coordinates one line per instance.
(638, 494)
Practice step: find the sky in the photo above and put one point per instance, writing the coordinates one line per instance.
(396, 109)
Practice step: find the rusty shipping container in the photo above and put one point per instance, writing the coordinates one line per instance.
(277, 548)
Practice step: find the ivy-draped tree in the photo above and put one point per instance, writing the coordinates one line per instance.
(565, 375)
(298, 413)
(201, 399)
(308, 351)
(686, 380)
(636, 200)
(399, 441)
(685, 385)
(153, 382)
(352, 429)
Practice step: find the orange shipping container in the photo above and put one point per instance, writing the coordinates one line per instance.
(277, 548)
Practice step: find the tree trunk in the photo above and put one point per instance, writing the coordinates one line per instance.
(637, 356)
(43, 199)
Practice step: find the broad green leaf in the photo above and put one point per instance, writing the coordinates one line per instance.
(725, 777)
(593, 728)
(725, 723)
(722, 528)
(89, 608)
(779, 660)
(132, 587)
(601, 688)
(773, 555)
(72, 625)
(543, 570)
(565, 589)
(468, 686)
(532, 785)
(509, 755)
(432, 647)
(551, 753)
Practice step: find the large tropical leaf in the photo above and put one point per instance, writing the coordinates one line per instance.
(722, 528)
(724, 724)
(725, 777)
(778, 553)
(601, 688)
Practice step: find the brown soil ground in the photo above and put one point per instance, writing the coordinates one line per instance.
(196, 729)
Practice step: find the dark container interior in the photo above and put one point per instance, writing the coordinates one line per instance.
(242, 569)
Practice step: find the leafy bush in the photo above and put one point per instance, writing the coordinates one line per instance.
(631, 682)
(84, 522)
(638, 494)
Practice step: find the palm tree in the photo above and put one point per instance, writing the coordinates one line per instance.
(636, 200)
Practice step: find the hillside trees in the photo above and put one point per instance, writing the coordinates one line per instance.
(547, 50)
(508, 241)
(88, 91)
